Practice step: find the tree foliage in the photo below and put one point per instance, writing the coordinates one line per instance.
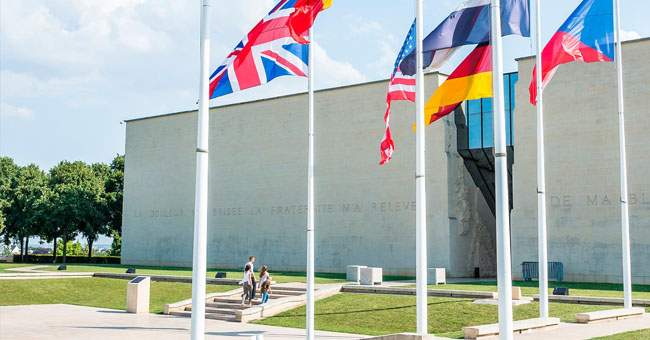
(77, 201)
(72, 248)
(73, 198)
(115, 194)
(8, 173)
(28, 188)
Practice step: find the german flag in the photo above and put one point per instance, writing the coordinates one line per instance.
(472, 79)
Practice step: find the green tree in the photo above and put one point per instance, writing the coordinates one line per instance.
(71, 248)
(115, 194)
(8, 173)
(97, 218)
(74, 205)
(116, 246)
(28, 188)
(49, 227)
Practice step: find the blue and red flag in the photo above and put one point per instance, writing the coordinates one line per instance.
(275, 47)
(469, 24)
(400, 87)
(587, 35)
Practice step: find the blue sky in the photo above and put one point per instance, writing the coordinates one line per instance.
(71, 70)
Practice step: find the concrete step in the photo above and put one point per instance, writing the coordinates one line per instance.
(287, 291)
(215, 310)
(293, 289)
(223, 317)
(225, 305)
(213, 316)
(275, 295)
(233, 301)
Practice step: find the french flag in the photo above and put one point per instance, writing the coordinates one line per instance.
(587, 35)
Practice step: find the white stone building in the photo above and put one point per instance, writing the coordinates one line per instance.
(365, 213)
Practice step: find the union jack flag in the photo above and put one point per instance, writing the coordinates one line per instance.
(267, 52)
(401, 87)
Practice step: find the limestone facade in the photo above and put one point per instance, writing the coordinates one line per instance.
(582, 168)
(365, 213)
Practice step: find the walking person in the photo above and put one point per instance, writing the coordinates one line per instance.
(265, 283)
(246, 282)
(250, 262)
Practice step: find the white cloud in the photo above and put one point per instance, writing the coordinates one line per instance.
(386, 61)
(629, 35)
(360, 25)
(330, 72)
(26, 85)
(8, 111)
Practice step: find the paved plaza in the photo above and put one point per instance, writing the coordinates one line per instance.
(37, 322)
(576, 331)
(61, 321)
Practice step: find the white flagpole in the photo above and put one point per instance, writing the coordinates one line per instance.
(201, 198)
(504, 269)
(420, 183)
(541, 176)
(310, 194)
(625, 218)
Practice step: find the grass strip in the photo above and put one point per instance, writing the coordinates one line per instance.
(92, 292)
(374, 314)
(643, 334)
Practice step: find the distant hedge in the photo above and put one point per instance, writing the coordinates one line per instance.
(69, 259)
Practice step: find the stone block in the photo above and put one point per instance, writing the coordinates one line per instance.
(612, 314)
(137, 295)
(353, 273)
(436, 276)
(521, 326)
(371, 276)
(516, 293)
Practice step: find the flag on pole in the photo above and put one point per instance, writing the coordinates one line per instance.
(469, 24)
(587, 35)
(472, 79)
(270, 50)
(304, 16)
(401, 87)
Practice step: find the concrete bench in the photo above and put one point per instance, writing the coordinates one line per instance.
(436, 276)
(519, 327)
(609, 315)
(371, 276)
(592, 300)
(353, 273)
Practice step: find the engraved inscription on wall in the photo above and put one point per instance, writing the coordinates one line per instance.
(386, 207)
(597, 200)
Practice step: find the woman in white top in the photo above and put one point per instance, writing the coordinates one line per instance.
(246, 282)
(265, 284)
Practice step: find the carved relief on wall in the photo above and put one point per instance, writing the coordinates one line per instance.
(463, 206)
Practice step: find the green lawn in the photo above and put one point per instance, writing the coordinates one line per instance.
(278, 276)
(636, 335)
(387, 314)
(93, 292)
(529, 288)
(5, 266)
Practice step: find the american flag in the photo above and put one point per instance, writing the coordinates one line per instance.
(267, 52)
(401, 87)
